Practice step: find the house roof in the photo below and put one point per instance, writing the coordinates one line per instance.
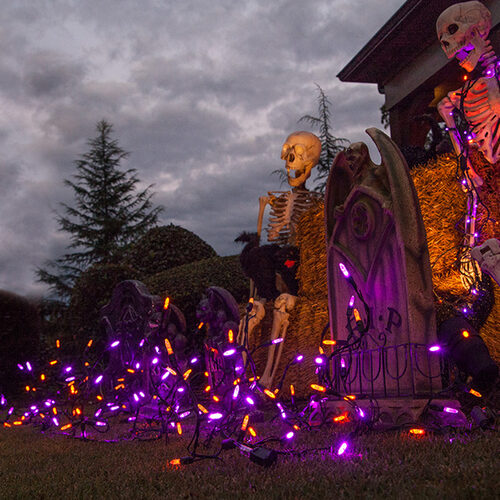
(409, 31)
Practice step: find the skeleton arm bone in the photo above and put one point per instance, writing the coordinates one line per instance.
(263, 201)
(445, 108)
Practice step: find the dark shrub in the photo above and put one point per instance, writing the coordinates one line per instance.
(19, 340)
(165, 247)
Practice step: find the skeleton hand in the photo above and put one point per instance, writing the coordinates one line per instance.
(488, 256)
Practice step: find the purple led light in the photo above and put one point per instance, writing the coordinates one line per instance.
(342, 363)
(361, 412)
(342, 448)
(28, 366)
(289, 435)
(181, 389)
(465, 310)
(249, 400)
(141, 343)
(447, 409)
(434, 348)
(344, 270)
(351, 301)
(278, 340)
(236, 392)
(115, 407)
(100, 424)
(3, 401)
(154, 361)
(68, 369)
(194, 360)
(238, 368)
(184, 414)
(11, 411)
(69, 379)
(142, 394)
(157, 349)
(137, 366)
(97, 413)
(55, 421)
(319, 360)
(299, 358)
(474, 291)
(98, 379)
(115, 343)
(215, 416)
(165, 375)
(229, 352)
(21, 367)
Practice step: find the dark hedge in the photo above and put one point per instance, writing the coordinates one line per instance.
(19, 339)
(185, 284)
(165, 247)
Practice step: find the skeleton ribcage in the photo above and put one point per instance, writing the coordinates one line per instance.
(286, 211)
(480, 113)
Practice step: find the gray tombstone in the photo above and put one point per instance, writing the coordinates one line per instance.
(375, 234)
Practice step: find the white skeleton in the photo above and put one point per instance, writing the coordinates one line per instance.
(463, 31)
(301, 152)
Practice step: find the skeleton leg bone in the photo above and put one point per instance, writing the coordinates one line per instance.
(282, 307)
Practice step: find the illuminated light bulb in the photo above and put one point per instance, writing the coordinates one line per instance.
(28, 366)
(175, 461)
(252, 432)
(340, 418)
(351, 301)
(269, 393)
(447, 409)
(329, 342)
(166, 303)
(249, 400)
(417, 432)
(89, 343)
(100, 423)
(465, 334)
(206, 374)
(317, 387)
(319, 360)
(27, 388)
(434, 348)
(292, 390)
(299, 358)
(69, 379)
(289, 435)
(98, 413)
(342, 363)
(20, 366)
(237, 381)
(136, 397)
(216, 398)
(11, 411)
(99, 397)
(465, 78)
(229, 352)
(154, 361)
(230, 336)
(53, 362)
(207, 388)
(115, 344)
(360, 412)
(165, 375)
(179, 428)
(244, 424)
(3, 401)
(6, 424)
(119, 386)
(114, 408)
(200, 326)
(186, 374)
(17, 422)
(236, 392)
(141, 343)
(171, 371)
(351, 397)
(194, 360)
(215, 416)
(58, 343)
(55, 421)
(465, 310)
(321, 351)
(98, 379)
(278, 340)
(42, 377)
(130, 370)
(168, 346)
(202, 408)
(357, 316)
(344, 270)
(137, 366)
(342, 448)
(475, 393)
(474, 291)
(180, 389)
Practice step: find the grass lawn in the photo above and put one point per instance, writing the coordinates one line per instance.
(392, 465)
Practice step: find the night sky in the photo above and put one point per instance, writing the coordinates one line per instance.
(202, 94)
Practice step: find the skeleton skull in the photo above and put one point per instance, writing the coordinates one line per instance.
(462, 30)
(301, 152)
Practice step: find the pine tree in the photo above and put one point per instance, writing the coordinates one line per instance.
(107, 216)
(330, 145)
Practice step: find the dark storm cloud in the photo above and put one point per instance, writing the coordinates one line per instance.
(202, 95)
